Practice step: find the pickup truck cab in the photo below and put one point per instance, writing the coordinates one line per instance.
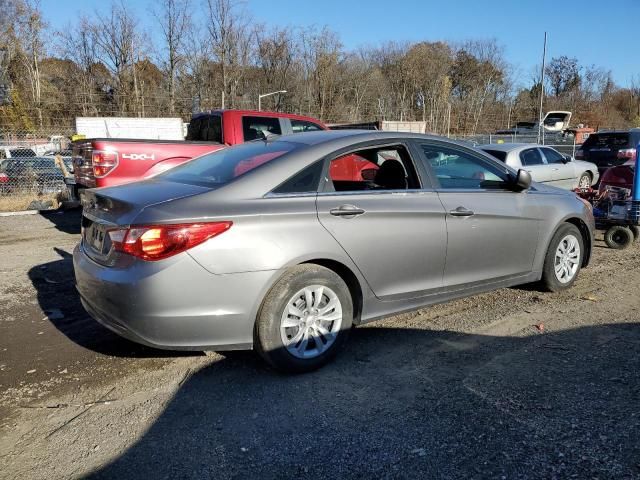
(102, 162)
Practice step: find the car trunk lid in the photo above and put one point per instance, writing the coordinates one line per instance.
(108, 208)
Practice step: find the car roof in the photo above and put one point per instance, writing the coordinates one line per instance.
(509, 147)
(328, 136)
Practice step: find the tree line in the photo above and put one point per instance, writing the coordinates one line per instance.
(216, 54)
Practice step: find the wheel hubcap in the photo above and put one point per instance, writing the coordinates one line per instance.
(585, 182)
(311, 321)
(567, 259)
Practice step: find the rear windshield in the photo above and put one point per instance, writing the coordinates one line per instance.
(502, 156)
(222, 166)
(619, 140)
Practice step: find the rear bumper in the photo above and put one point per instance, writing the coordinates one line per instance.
(174, 304)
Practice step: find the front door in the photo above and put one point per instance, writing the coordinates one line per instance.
(563, 173)
(390, 226)
(492, 230)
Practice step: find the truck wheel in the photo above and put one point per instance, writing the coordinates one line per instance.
(618, 237)
(564, 258)
(636, 232)
(304, 319)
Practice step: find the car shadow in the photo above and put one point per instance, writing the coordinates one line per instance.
(67, 221)
(409, 403)
(58, 298)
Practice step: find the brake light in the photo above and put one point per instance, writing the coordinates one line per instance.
(4, 178)
(156, 242)
(103, 162)
(579, 154)
(627, 153)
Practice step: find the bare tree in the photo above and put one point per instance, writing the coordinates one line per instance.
(31, 27)
(229, 30)
(174, 20)
(117, 40)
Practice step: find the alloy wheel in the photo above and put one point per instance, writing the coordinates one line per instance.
(311, 321)
(567, 259)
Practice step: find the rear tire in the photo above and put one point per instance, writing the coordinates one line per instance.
(564, 258)
(584, 181)
(618, 237)
(304, 320)
(636, 232)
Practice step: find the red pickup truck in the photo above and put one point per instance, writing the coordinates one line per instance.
(102, 162)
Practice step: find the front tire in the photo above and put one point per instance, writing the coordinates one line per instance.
(304, 320)
(564, 258)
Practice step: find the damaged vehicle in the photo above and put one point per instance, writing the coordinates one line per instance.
(267, 246)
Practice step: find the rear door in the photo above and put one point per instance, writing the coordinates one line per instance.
(392, 225)
(533, 162)
(492, 231)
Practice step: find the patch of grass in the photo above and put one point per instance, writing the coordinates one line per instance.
(17, 202)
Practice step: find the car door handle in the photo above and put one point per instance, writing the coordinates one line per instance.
(461, 212)
(346, 210)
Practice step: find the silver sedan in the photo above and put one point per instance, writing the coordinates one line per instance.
(282, 245)
(545, 164)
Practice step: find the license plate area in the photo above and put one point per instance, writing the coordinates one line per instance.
(94, 235)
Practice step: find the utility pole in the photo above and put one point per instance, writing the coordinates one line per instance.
(544, 59)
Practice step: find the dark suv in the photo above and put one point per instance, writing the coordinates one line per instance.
(610, 149)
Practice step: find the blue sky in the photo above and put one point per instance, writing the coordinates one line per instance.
(604, 33)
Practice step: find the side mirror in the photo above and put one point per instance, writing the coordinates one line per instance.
(522, 180)
(567, 158)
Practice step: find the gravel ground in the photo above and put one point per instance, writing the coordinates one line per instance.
(511, 384)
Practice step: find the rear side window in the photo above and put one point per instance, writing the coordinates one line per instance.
(607, 140)
(299, 126)
(305, 181)
(259, 127)
(206, 128)
(530, 157)
(500, 155)
(220, 167)
(383, 168)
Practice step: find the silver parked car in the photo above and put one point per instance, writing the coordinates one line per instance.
(545, 164)
(283, 244)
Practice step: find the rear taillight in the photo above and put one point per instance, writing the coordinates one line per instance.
(627, 153)
(579, 154)
(4, 178)
(103, 162)
(155, 242)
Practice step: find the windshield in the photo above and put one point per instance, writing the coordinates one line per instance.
(22, 152)
(222, 166)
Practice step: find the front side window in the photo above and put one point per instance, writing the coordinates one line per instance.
(299, 126)
(456, 169)
(531, 157)
(553, 156)
(222, 166)
(379, 169)
(260, 127)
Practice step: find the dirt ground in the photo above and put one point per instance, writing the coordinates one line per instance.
(511, 384)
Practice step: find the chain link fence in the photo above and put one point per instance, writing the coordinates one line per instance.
(35, 169)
